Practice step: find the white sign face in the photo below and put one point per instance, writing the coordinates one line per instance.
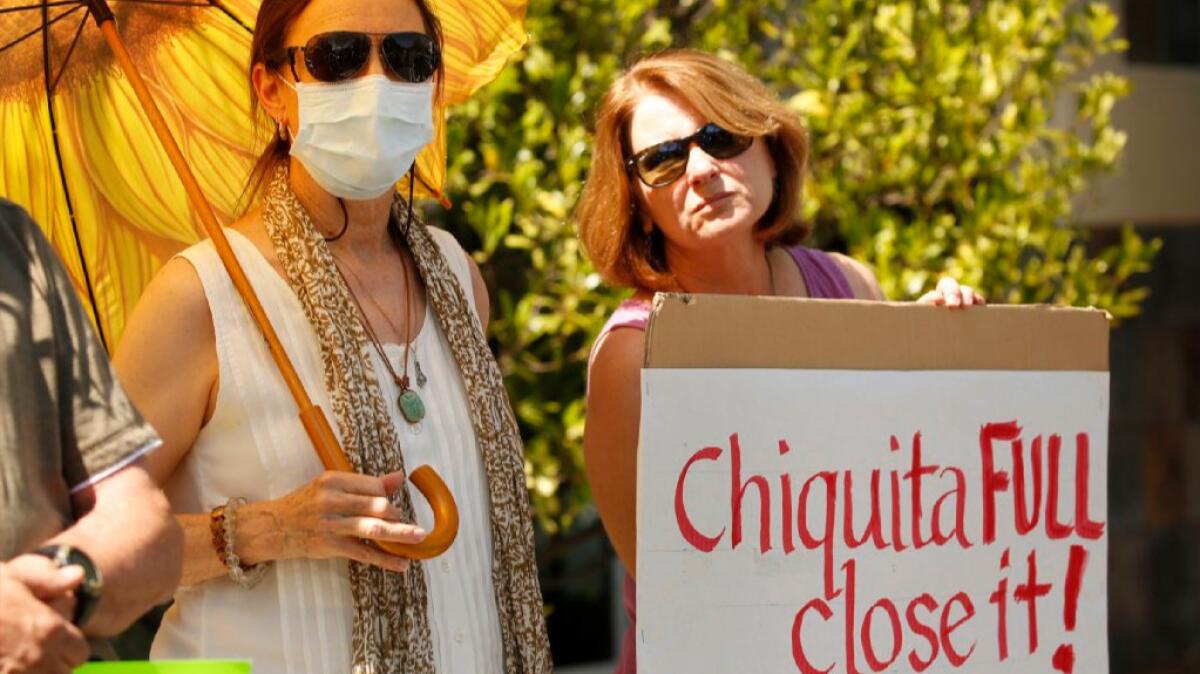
(859, 521)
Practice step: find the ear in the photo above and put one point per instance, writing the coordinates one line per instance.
(275, 97)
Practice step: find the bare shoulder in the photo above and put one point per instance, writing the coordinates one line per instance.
(172, 316)
(862, 280)
(175, 295)
(617, 360)
(483, 301)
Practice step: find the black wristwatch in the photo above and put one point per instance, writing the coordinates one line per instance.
(87, 595)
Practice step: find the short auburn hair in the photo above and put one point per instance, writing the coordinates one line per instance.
(608, 213)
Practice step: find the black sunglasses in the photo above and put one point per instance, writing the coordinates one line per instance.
(341, 55)
(662, 163)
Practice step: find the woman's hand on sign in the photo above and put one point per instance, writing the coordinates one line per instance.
(338, 514)
(950, 294)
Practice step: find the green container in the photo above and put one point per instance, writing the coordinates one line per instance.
(168, 667)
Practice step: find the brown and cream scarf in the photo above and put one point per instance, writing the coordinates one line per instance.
(391, 630)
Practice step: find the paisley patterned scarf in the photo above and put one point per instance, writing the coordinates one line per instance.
(391, 630)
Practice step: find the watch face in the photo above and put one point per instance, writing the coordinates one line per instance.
(87, 595)
(93, 582)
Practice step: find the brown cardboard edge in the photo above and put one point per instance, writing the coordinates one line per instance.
(732, 331)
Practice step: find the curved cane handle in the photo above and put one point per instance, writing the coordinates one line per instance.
(445, 518)
(424, 478)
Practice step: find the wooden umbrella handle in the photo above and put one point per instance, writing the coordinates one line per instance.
(426, 480)
(445, 518)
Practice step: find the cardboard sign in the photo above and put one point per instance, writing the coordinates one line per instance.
(850, 487)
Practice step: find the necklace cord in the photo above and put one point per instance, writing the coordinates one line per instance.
(345, 223)
(402, 381)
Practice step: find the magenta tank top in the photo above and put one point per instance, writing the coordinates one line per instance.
(824, 280)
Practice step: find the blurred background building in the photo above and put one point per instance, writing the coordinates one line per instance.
(1154, 446)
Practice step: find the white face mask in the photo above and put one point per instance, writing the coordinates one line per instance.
(360, 136)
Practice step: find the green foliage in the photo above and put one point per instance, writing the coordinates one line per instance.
(948, 137)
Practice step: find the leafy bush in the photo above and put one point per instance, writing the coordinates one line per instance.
(949, 137)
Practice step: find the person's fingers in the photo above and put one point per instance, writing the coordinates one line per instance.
(951, 291)
(369, 554)
(379, 530)
(53, 663)
(352, 483)
(392, 481)
(971, 297)
(71, 645)
(64, 605)
(932, 297)
(62, 646)
(43, 578)
(367, 506)
(954, 299)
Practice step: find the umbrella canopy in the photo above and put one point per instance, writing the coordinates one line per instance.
(78, 152)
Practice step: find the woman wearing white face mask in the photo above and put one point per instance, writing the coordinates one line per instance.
(382, 317)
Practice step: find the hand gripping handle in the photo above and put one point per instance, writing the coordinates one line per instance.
(424, 478)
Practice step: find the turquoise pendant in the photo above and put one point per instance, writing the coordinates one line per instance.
(411, 406)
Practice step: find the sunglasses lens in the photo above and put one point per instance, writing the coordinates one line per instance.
(332, 57)
(720, 143)
(412, 57)
(662, 163)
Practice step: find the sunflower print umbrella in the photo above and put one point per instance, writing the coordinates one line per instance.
(78, 152)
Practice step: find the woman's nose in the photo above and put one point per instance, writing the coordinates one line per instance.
(375, 62)
(701, 166)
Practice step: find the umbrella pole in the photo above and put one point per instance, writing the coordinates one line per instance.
(315, 423)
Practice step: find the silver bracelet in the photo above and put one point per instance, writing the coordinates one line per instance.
(246, 577)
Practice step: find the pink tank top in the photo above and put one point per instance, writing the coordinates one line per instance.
(824, 280)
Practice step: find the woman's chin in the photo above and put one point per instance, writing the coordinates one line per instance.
(721, 228)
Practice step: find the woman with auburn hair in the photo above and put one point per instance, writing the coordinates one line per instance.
(695, 186)
(383, 318)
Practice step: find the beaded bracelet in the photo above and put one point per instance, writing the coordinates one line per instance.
(222, 525)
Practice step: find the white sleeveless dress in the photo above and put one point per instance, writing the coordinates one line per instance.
(298, 619)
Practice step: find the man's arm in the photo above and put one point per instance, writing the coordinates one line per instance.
(122, 520)
(129, 533)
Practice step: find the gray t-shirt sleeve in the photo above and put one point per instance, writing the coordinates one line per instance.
(102, 431)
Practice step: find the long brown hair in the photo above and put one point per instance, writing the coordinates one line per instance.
(608, 213)
(268, 47)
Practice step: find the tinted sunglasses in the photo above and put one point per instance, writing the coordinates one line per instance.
(341, 55)
(662, 163)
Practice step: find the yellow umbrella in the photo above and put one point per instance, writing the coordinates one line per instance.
(84, 162)
(90, 143)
